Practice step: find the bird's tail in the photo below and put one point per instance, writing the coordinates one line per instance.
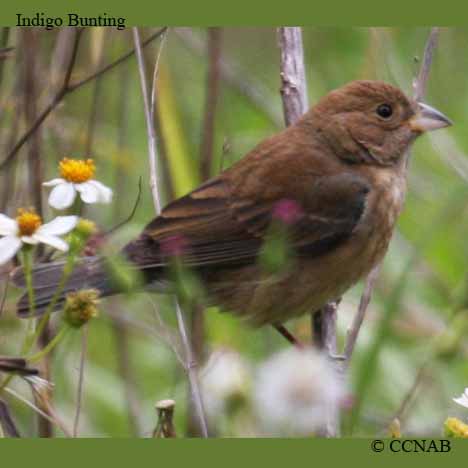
(89, 273)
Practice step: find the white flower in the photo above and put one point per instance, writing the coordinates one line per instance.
(463, 400)
(27, 228)
(224, 378)
(295, 391)
(77, 178)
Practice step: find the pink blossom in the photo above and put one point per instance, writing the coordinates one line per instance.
(288, 211)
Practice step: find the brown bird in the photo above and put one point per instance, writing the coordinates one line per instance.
(336, 179)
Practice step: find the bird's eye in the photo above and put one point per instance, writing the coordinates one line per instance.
(385, 111)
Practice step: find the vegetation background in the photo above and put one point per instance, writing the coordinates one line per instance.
(217, 95)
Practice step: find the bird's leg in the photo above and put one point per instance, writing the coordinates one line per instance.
(289, 336)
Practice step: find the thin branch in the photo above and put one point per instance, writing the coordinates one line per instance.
(69, 89)
(192, 371)
(152, 151)
(132, 213)
(420, 84)
(153, 162)
(126, 370)
(155, 76)
(79, 393)
(165, 334)
(353, 331)
(399, 413)
(293, 78)
(211, 101)
(36, 409)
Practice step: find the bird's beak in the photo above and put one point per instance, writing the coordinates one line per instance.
(427, 119)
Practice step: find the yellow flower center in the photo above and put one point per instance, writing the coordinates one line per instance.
(28, 222)
(77, 170)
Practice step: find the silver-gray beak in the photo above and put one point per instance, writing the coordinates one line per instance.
(427, 119)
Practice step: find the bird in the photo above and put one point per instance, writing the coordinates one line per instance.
(336, 179)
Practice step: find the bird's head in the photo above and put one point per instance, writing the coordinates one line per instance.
(372, 122)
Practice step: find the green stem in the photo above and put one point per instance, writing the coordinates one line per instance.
(58, 292)
(27, 257)
(50, 345)
(27, 268)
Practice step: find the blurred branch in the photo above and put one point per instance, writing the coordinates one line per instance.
(4, 294)
(117, 62)
(37, 410)
(235, 77)
(293, 78)
(197, 316)
(408, 398)
(5, 51)
(120, 329)
(127, 374)
(31, 53)
(69, 88)
(6, 421)
(191, 368)
(54, 102)
(353, 331)
(95, 103)
(420, 84)
(211, 101)
(191, 364)
(8, 177)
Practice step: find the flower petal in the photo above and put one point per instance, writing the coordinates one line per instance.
(59, 226)
(54, 182)
(88, 192)
(62, 196)
(8, 226)
(29, 240)
(105, 193)
(463, 401)
(8, 247)
(51, 240)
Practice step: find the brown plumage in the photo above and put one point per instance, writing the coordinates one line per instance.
(342, 170)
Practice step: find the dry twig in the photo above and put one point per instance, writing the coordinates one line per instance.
(293, 78)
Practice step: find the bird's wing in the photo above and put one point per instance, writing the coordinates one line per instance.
(220, 224)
